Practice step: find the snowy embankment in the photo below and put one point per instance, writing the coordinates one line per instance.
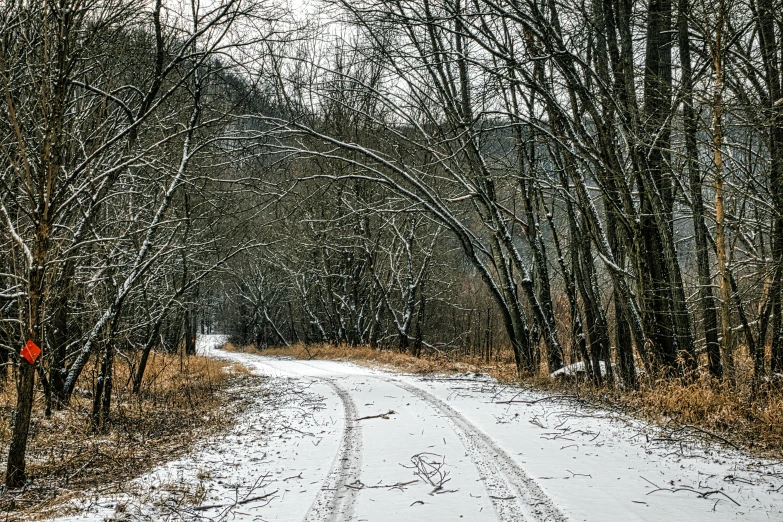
(336, 441)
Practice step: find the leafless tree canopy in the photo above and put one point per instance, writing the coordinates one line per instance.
(596, 182)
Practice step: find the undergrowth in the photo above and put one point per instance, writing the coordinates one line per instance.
(180, 401)
(732, 413)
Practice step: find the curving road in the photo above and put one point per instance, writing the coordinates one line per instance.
(376, 452)
(488, 452)
(327, 441)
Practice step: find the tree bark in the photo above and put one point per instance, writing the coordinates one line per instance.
(727, 348)
(706, 298)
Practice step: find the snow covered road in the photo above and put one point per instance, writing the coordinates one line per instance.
(333, 441)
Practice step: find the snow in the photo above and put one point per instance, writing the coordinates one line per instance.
(575, 369)
(483, 452)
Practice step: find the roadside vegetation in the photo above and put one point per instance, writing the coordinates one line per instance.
(183, 399)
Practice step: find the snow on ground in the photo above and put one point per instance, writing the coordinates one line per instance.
(578, 368)
(335, 441)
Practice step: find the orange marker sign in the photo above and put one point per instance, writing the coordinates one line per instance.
(30, 352)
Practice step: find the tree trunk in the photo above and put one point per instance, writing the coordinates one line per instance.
(727, 348)
(15, 472)
(706, 298)
(57, 368)
(101, 403)
(190, 332)
(766, 13)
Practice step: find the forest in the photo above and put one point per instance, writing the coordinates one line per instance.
(596, 182)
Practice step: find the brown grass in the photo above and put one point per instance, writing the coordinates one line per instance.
(752, 421)
(180, 402)
(734, 412)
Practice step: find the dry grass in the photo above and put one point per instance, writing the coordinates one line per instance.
(734, 412)
(750, 420)
(181, 401)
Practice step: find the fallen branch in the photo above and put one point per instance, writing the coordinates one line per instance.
(439, 489)
(700, 494)
(398, 485)
(543, 399)
(73, 475)
(706, 432)
(243, 501)
(289, 428)
(429, 467)
(379, 416)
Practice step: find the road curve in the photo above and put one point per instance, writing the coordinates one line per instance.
(513, 494)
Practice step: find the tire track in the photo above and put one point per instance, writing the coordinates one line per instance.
(514, 494)
(336, 501)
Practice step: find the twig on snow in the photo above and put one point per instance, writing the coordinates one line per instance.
(700, 494)
(379, 416)
(243, 501)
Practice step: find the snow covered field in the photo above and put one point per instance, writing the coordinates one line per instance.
(335, 441)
